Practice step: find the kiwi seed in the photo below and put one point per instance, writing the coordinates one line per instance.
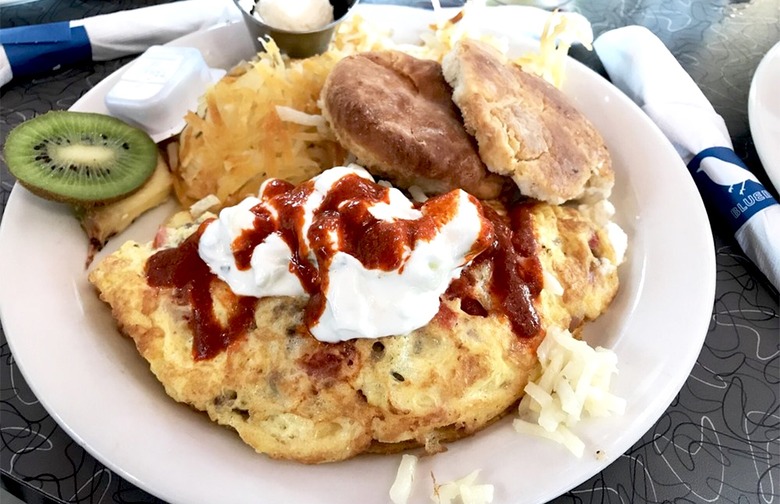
(79, 157)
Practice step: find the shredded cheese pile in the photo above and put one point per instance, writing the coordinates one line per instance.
(560, 32)
(573, 383)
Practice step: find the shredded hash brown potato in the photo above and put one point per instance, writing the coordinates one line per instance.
(559, 33)
(443, 36)
(217, 157)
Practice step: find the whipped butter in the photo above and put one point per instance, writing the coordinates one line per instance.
(291, 15)
(372, 262)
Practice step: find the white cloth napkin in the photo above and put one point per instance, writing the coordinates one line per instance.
(109, 35)
(642, 67)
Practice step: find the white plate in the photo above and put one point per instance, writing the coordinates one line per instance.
(101, 392)
(764, 113)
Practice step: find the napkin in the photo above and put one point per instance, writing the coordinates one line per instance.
(36, 49)
(642, 67)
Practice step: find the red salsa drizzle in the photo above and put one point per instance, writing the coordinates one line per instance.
(343, 213)
(377, 244)
(516, 279)
(244, 245)
(506, 242)
(182, 268)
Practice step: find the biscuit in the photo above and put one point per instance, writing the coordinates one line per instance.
(527, 129)
(394, 112)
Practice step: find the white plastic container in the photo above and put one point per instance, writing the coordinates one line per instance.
(159, 87)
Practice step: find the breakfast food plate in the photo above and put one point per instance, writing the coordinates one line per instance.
(95, 385)
(764, 113)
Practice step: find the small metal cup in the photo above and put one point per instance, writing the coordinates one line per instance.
(297, 44)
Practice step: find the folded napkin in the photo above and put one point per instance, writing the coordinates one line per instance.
(36, 49)
(642, 67)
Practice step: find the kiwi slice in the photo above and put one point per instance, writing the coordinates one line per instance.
(79, 157)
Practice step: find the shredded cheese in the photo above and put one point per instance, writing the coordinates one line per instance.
(404, 478)
(417, 194)
(464, 488)
(573, 383)
(296, 116)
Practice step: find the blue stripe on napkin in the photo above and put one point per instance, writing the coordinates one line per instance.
(731, 190)
(33, 58)
(36, 34)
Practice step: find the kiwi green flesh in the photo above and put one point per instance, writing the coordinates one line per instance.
(79, 157)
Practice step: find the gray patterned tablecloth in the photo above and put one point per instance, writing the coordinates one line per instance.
(719, 439)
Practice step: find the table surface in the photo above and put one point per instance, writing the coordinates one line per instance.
(718, 440)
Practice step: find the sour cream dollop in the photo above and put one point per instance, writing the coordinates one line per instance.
(371, 262)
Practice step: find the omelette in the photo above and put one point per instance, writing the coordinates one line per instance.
(290, 396)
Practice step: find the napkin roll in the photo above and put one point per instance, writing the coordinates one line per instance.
(37, 49)
(728, 186)
(741, 202)
(642, 67)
